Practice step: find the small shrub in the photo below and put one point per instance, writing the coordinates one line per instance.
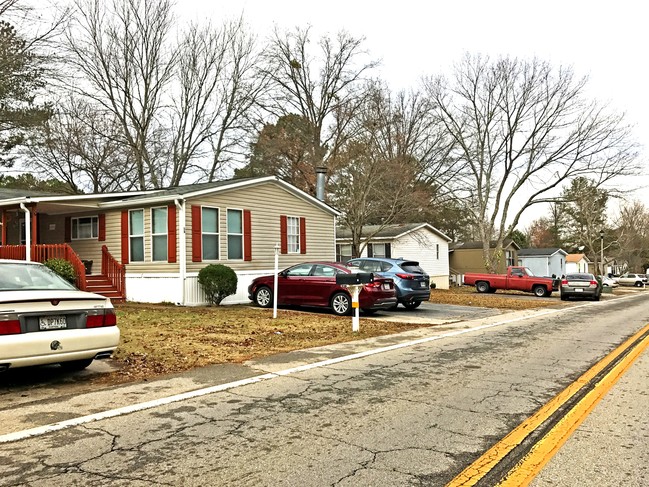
(63, 268)
(218, 282)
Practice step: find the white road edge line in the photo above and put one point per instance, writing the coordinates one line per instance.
(41, 430)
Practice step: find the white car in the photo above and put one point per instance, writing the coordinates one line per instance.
(608, 281)
(46, 320)
(631, 279)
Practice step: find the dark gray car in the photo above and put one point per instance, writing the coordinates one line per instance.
(411, 281)
(582, 285)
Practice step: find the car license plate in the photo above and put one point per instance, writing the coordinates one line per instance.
(52, 322)
(386, 285)
(422, 284)
(578, 290)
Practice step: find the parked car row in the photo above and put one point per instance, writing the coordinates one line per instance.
(631, 279)
(395, 281)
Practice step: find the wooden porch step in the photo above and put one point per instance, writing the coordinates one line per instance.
(100, 284)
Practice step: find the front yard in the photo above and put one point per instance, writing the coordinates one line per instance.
(162, 339)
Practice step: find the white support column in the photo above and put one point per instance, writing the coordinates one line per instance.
(28, 232)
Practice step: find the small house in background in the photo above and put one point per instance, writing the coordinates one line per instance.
(467, 257)
(544, 262)
(420, 242)
(577, 263)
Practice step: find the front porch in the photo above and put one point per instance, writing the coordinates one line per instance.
(110, 282)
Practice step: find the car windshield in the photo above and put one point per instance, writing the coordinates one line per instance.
(580, 277)
(30, 277)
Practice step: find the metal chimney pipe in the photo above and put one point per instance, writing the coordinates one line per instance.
(320, 173)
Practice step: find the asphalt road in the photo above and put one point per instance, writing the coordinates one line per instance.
(415, 412)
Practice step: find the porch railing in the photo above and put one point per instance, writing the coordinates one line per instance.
(43, 252)
(113, 270)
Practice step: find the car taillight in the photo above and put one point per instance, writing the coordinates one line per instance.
(564, 282)
(10, 327)
(406, 276)
(374, 284)
(594, 283)
(105, 318)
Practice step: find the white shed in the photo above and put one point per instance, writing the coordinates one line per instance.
(544, 262)
(414, 241)
(577, 263)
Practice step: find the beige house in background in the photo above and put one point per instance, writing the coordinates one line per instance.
(467, 257)
(156, 241)
(577, 263)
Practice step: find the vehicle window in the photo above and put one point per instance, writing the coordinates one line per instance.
(300, 270)
(385, 266)
(324, 271)
(31, 278)
(353, 263)
(528, 272)
(580, 277)
(517, 272)
(412, 267)
(371, 266)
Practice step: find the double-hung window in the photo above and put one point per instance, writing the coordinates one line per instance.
(235, 234)
(210, 233)
(159, 234)
(85, 228)
(136, 235)
(293, 234)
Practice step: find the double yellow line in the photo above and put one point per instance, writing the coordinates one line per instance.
(545, 448)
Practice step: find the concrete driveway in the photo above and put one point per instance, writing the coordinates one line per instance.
(435, 314)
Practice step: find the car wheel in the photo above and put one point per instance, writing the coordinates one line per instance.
(638, 284)
(76, 365)
(264, 297)
(341, 304)
(482, 287)
(539, 291)
(412, 304)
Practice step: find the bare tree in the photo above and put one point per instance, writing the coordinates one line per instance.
(396, 164)
(82, 147)
(120, 47)
(326, 89)
(632, 236)
(522, 129)
(219, 88)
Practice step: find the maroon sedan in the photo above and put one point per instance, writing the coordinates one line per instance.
(314, 284)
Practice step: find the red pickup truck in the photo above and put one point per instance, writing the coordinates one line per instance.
(517, 279)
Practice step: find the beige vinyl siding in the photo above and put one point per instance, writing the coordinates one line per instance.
(266, 203)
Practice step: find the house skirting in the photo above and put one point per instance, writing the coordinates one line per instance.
(166, 288)
(441, 282)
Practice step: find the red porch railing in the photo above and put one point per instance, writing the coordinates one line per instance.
(41, 253)
(113, 270)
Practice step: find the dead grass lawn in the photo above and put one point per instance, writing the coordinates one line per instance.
(162, 339)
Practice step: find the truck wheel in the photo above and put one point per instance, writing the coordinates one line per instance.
(482, 287)
(539, 291)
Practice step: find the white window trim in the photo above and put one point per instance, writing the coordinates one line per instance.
(227, 234)
(131, 235)
(218, 233)
(288, 242)
(76, 219)
(159, 234)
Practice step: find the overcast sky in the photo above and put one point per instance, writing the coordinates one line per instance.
(606, 41)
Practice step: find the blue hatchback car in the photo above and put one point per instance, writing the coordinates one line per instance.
(411, 281)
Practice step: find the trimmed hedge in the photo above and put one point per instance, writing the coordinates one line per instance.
(63, 268)
(218, 282)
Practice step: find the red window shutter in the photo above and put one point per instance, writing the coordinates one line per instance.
(171, 234)
(67, 232)
(125, 237)
(102, 228)
(197, 235)
(247, 236)
(302, 235)
(34, 227)
(283, 230)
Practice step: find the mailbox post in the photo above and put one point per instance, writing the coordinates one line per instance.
(355, 283)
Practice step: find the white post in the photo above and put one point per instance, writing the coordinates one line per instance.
(355, 291)
(275, 281)
(28, 232)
